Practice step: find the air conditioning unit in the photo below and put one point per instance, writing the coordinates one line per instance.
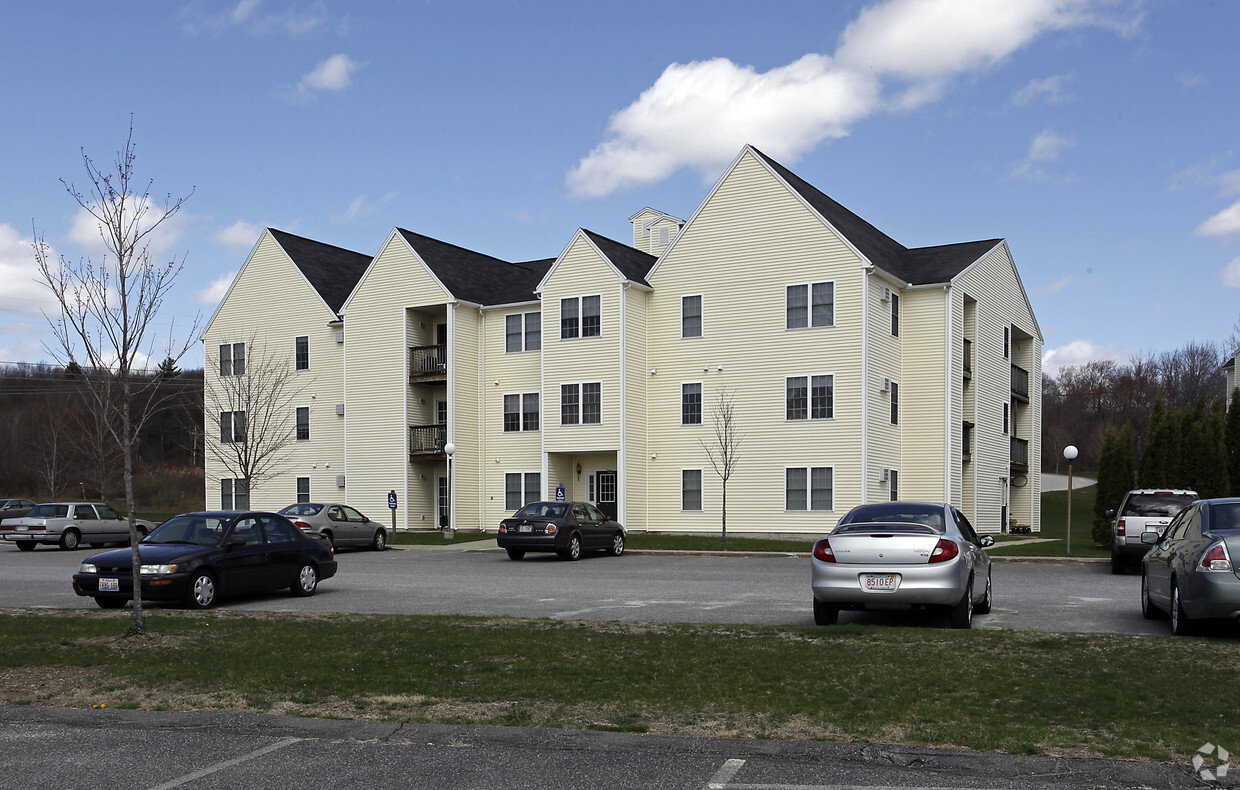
(886, 476)
(340, 409)
(886, 294)
(886, 385)
(339, 481)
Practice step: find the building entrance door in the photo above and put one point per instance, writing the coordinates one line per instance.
(607, 493)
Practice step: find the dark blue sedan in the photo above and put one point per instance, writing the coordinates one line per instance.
(196, 558)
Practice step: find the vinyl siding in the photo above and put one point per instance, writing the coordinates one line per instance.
(923, 397)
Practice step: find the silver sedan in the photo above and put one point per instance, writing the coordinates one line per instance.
(340, 524)
(902, 555)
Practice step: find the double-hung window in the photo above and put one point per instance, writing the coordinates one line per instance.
(301, 352)
(809, 397)
(581, 317)
(581, 404)
(690, 489)
(895, 315)
(810, 304)
(809, 488)
(303, 489)
(521, 412)
(522, 332)
(691, 316)
(691, 403)
(234, 494)
(521, 488)
(232, 427)
(232, 359)
(303, 423)
(895, 403)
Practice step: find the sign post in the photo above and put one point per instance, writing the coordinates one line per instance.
(392, 507)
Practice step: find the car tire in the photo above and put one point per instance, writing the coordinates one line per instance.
(617, 545)
(1117, 564)
(141, 532)
(962, 613)
(331, 539)
(1180, 624)
(202, 591)
(988, 599)
(379, 541)
(110, 603)
(26, 545)
(307, 580)
(515, 554)
(825, 613)
(573, 552)
(1148, 610)
(70, 539)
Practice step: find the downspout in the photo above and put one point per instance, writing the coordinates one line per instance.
(450, 431)
(865, 386)
(482, 420)
(622, 492)
(947, 392)
(404, 352)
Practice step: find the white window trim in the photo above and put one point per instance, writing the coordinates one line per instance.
(701, 489)
(809, 305)
(523, 318)
(701, 316)
(581, 316)
(809, 397)
(309, 432)
(701, 403)
(524, 475)
(521, 396)
(809, 491)
(297, 488)
(307, 367)
(581, 404)
(893, 401)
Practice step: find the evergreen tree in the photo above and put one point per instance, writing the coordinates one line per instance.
(1232, 440)
(1155, 459)
(1115, 478)
(1192, 472)
(1213, 480)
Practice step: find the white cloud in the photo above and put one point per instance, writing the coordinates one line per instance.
(1052, 90)
(23, 291)
(1057, 286)
(1046, 147)
(240, 235)
(333, 74)
(207, 16)
(1231, 274)
(214, 292)
(86, 231)
(1224, 223)
(1078, 352)
(361, 206)
(699, 114)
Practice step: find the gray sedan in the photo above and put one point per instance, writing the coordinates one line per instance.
(902, 555)
(340, 524)
(1188, 572)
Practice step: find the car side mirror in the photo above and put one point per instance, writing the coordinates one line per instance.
(987, 541)
(1150, 537)
(365, 520)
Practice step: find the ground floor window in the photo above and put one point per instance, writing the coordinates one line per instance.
(521, 488)
(303, 489)
(234, 494)
(441, 488)
(894, 481)
(690, 489)
(809, 488)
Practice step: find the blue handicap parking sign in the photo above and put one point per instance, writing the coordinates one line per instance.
(392, 500)
(559, 493)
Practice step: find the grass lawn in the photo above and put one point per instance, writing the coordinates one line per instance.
(1006, 691)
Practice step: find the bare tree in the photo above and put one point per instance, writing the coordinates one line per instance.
(108, 307)
(48, 447)
(253, 409)
(724, 451)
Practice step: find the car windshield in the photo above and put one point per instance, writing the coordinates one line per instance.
(202, 530)
(542, 510)
(301, 509)
(1225, 517)
(1161, 504)
(895, 512)
(49, 511)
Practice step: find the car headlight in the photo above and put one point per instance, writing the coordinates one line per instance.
(87, 568)
(153, 570)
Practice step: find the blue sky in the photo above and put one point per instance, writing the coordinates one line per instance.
(1099, 137)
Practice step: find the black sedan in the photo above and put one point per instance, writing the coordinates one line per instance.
(567, 528)
(198, 557)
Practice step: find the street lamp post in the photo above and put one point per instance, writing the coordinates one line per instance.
(448, 532)
(1069, 453)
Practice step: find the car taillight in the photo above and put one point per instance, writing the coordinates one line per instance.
(944, 551)
(1216, 558)
(503, 528)
(551, 529)
(1119, 528)
(303, 525)
(823, 551)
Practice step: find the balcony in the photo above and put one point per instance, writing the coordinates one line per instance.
(1020, 454)
(968, 359)
(1020, 383)
(428, 363)
(427, 441)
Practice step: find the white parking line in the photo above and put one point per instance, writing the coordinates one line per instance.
(723, 778)
(210, 769)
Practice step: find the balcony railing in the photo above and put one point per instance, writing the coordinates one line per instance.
(968, 359)
(1020, 382)
(1020, 454)
(427, 439)
(428, 361)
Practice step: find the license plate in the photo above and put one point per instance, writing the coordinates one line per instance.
(525, 528)
(880, 581)
(109, 585)
(22, 528)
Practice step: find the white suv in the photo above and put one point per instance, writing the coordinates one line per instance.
(1143, 510)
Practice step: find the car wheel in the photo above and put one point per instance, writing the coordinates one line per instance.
(573, 552)
(1148, 609)
(515, 554)
(988, 599)
(962, 613)
(1117, 564)
(110, 603)
(1180, 624)
(26, 545)
(141, 532)
(825, 613)
(202, 591)
(617, 544)
(70, 539)
(379, 542)
(307, 580)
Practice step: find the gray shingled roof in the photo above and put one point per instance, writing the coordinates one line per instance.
(632, 263)
(917, 266)
(474, 277)
(332, 271)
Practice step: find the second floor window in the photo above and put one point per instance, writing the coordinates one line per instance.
(523, 332)
(303, 423)
(895, 403)
(895, 315)
(691, 316)
(301, 352)
(809, 397)
(581, 317)
(581, 404)
(812, 304)
(691, 403)
(521, 412)
(232, 427)
(232, 359)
